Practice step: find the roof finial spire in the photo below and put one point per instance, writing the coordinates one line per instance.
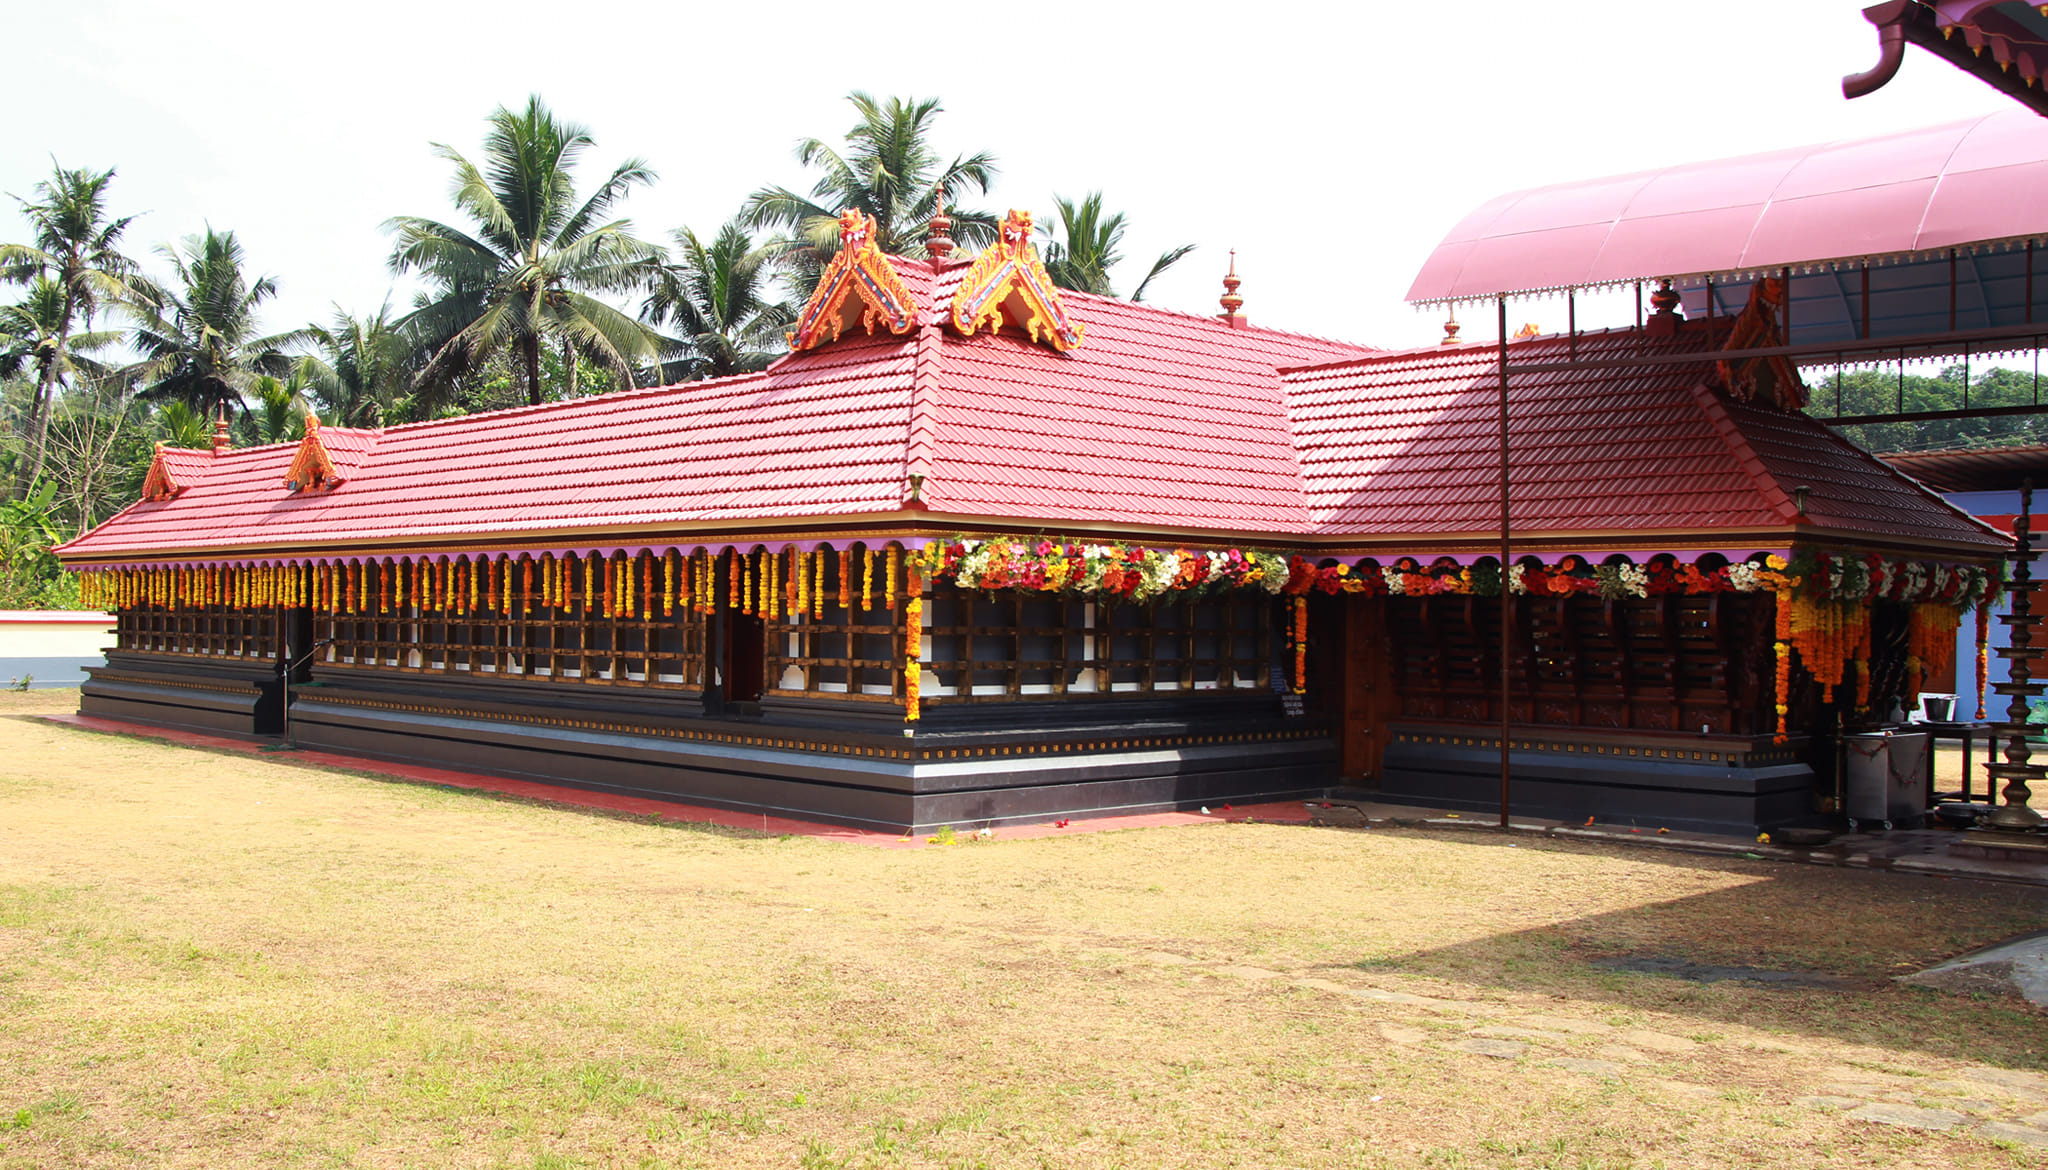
(1451, 328)
(220, 430)
(938, 242)
(1230, 301)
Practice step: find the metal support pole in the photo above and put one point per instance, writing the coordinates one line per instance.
(1864, 332)
(1571, 323)
(1501, 304)
(1951, 290)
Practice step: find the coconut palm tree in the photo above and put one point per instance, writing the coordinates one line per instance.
(523, 277)
(715, 299)
(1084, 245)
(889, 171)
(197, 335)
(33, 336)
(361, 369)
(78, 247)
(277, 410)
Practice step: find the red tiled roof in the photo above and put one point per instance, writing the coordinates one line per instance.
(1159, 421)
(1406, 446)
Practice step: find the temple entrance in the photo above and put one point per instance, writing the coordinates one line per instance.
(746, 654)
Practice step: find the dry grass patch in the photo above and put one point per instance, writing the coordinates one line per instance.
(214, 960)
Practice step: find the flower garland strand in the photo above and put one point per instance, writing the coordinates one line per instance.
(913, 638)
(1301, 645)
(867, 583)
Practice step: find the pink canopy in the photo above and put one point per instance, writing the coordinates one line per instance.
(1979, 184)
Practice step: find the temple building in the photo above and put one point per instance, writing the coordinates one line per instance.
(979, 550)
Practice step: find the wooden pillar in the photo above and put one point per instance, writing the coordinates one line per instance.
(1368, 686)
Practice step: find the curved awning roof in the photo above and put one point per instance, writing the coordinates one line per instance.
(1976, 186)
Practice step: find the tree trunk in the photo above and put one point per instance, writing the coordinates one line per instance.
(569, 370)
(39, 410)
(532, 347)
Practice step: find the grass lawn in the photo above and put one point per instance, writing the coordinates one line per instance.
(211, 960)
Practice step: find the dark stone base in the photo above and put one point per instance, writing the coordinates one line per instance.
(894, 795)
(1700, 784)
(2001, 845)
(218, 698)
(1049, 761)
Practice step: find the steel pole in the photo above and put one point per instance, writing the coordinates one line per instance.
(1501, 305)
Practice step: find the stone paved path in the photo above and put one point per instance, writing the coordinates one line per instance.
(2005, 1106)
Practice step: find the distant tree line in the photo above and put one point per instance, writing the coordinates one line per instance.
(532, 291)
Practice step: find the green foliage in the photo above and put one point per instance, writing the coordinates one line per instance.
(1878, 391)
(361, 369)
(76, 266)
(523, 278)
(1084, 245)
(716, 299)
(29, 576)
(890, 171)
(198, 334)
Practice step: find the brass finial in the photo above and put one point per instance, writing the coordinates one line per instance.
(1230, 301)
(1451, 328)
(220, 431)
(938, 243)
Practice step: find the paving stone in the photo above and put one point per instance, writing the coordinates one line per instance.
(1659, 1041)
(1828, 1102)
(1973, 1105)
(2026, 1082)
(1401, 997)
(2005, 1131)
(1596, 1068)
(1504, 1049)
(1322, 985)
(1247, 972)
(1567, 1024)
(1503, 1032)
(2037, 1120)
(1908, 1116)
(1854, 1088)
(1162, 959)
(1402, 1034)
(1623, 1053)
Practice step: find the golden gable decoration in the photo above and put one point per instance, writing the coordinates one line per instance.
(859, 267)
(160, 484)
(312, 467)
(1009, 282)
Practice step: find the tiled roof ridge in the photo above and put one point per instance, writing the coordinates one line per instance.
(938, 269)
(1695, 337)
(1884, 468)
(920, 444)
(566, 405)
(1745, 455)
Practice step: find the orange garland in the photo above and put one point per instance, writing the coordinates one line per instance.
(913, 641)
(1983, 650)
(867, 583)
(1783, 649)
(1301, 645)
(846, 579)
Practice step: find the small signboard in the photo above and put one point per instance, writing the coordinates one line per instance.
(1290, 701)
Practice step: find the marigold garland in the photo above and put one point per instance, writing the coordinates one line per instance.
(913, 637)
(1300, 645)
(867, 583)
(846, 580)
(818, 584)
(668, 584)
(1983, 655)
(889, 580)
(1782, 647)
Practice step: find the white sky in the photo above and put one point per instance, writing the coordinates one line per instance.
(1331, 144)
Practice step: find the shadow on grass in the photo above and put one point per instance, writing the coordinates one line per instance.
(1850, 929)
